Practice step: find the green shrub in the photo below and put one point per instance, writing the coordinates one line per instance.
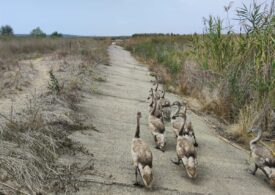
(6, 30)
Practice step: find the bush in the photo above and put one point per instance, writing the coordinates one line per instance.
(6, 30)
(56, 35)
(161, 49)
(37, 32)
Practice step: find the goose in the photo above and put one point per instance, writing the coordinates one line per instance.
(165, 105)
(163, 101)
(156, 91)
(158, 112)
(176, 123)
(157, 128)
(150, 99)
(186, 153)
(176, 118)
(142, 157)
(263, 158)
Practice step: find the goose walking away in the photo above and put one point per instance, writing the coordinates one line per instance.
(186, 154)
(157, 128)
(142, 157)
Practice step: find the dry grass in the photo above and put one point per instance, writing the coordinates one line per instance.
(16, 73)
(99, 78)
(32, 140)
(248, 118)
(30, 145)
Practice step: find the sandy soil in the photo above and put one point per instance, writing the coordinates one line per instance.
(38, 84)
(223, 169)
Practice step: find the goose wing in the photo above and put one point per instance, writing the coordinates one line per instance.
(185, 148)
(177, 124)
(263, 156)
(141, 153)
(263, 152)
(157, 123)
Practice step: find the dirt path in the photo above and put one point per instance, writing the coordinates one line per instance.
(222, 167)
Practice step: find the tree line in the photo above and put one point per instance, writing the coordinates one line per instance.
(7, 30)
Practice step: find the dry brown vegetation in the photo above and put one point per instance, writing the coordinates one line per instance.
(17, 70)
(33, 139)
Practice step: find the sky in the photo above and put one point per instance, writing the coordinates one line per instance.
(111, 17)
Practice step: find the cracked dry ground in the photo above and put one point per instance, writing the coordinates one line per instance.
(222, 169)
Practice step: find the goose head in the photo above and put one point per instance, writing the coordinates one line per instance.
(139, 115)
(160, 142)
(147, 176)
(190, 166)
(253, 130)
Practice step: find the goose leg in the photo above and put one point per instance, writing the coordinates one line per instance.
(195, 144)
(264, 172)
(254, 171)
(136, 173)
(155, 138)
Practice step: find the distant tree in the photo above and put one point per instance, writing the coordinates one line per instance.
(6, 30)
(37, 32)
(56, 34)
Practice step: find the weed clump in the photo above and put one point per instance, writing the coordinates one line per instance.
(30, 145)
(53, 84)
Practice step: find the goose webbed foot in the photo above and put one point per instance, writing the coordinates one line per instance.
(176, 162)
(196, 144)
(158, 148)
(251, 172)
(136, 173)
(137, 184)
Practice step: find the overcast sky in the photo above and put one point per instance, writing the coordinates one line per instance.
(111, 17)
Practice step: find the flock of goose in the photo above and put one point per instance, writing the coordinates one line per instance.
(160, 111)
